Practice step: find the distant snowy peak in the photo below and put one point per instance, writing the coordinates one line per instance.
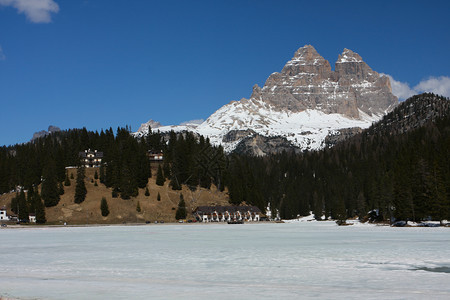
(155, 126)
(306, 56)
(304, 103)
(150, 124)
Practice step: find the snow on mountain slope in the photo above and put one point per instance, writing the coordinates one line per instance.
(304, 103)
(306, 129)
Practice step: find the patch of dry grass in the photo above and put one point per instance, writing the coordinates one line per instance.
(124, 211)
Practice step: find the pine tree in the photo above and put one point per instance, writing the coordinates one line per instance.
(49, 191)
(15, 204)
(30, 200)
(440, 205)
(60, 189)
(147, 192)
(138, 207)
(128, 187)
(175, 184)
(403, 199)
(181, 210)
(102, 174)
(166, 168)
(317, 206)
(104, 207)
(96, 175)
(158, 197)
(361, 205)
(67, 180)
(422, 190)
(40, 210)
(142, 170)
(80, 188)
(386, 196)
(338, 211)
(23, 209)
(159, 177)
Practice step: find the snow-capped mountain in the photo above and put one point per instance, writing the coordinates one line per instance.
(304, 103)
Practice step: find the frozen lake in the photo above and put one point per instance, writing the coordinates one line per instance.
(218, 261)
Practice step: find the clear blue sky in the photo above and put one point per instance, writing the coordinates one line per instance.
(103, 63)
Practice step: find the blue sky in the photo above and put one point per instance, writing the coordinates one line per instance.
(103, 63)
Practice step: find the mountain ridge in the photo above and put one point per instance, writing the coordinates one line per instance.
(304, 103)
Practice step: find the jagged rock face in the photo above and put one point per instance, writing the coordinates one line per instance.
(236, 135)
(258, 145)
(307, 82)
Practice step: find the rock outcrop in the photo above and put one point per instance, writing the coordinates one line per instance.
(42, 133)
(258, 145)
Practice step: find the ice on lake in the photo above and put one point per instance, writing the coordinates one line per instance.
(218, 261)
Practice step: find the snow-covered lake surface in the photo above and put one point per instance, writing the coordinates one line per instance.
(217, 261)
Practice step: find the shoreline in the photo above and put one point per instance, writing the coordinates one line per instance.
(15, 226)
(429, 224)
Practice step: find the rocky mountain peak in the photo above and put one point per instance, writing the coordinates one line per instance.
(306, 60)
(306, 54)
(348, 56)
(351, 66)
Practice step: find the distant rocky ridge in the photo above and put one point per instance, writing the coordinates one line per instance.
(304, 104)
(42, 133)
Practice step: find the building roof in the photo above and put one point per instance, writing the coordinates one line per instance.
(89, 151)
(155, 152)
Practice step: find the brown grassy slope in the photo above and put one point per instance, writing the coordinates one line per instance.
(121, 210)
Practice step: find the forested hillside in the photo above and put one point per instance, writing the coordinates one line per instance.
(40, 165)
(398, 168)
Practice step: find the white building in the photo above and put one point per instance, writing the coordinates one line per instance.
(32, 218)
(227, 213)
(3, 215)
(91, 159)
